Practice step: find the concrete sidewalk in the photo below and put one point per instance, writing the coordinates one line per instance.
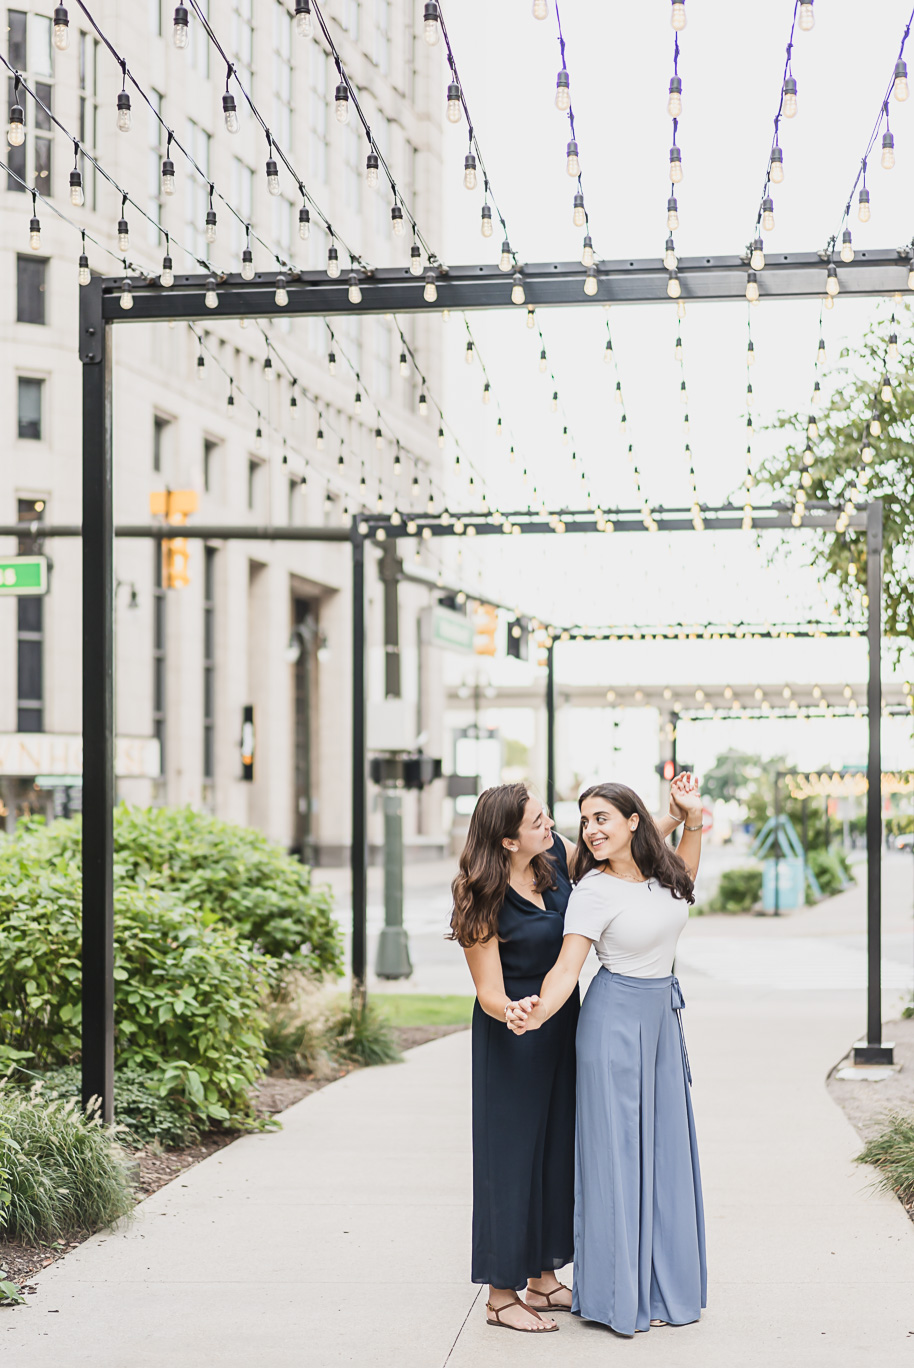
(345, 1238)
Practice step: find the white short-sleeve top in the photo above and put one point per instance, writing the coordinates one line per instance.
(635, 927)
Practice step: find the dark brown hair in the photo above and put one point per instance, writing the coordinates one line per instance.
(482, 881)
(650, 852)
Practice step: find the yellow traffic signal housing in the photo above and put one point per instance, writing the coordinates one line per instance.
(174, 505)
(485, 621)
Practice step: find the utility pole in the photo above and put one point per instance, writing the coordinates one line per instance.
(393, 960)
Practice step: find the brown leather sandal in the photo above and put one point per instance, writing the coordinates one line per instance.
(548, 1295)
(523, 1329)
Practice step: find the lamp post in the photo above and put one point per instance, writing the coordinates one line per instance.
(305, 636)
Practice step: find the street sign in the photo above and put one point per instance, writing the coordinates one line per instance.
(23, 575)
(445, 627)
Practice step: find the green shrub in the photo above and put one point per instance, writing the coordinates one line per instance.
(297, 1030)
(143, 1116)
(892, 1153)
(738, 891)
(225, 871)
(831, 870)
(63, 1172)
(362, 1035)
(187, 988)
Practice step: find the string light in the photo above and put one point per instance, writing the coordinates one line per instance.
(179, 31)
(61, 28)
(230, 112)
(847, 249)
(15, 133)
(85, 275)
(303, 25)
(167, 275)
(124, 118)
(790, 98)
(34, 226)
(341, 103)
(900, 88)
(123, 229)
(430, 23)
(807, 16)
(888, 151)
(469, 171)
(572, 161)
(678, 15)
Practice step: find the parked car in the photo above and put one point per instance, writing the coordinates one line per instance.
(905, 841)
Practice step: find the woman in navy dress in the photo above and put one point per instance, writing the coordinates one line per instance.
(510, 897)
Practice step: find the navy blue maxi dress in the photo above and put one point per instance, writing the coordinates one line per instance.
(523, 1106)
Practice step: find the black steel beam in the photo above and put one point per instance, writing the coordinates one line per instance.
(787, 275)
(550, 728)
(358, 854)
(207, 531)
(98, 713)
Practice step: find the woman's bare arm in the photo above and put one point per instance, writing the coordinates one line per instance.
(485, 966)
(559, 983)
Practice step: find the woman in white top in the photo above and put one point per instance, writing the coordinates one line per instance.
(639, 1243)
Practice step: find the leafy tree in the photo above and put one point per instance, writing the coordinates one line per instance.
(732, 776)
(860, 447)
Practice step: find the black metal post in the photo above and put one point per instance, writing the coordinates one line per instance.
(97, 710)
(550, 727)
(359, 844)
(675, 836)
(873, 1050)
(777, 843)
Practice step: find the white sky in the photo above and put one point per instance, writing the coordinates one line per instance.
(620, 61)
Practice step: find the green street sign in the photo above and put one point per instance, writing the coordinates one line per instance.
(23, 575)
(443, 627)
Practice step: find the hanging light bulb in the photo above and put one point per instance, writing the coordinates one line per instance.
(486, 393)
(750, 397)
(61, 28)
(893, 347)
(675, 165)
(167, 274)
(579, 217)
(808, 455)
(888, 150)
(831, 281)
(15, 133)
(587, 251)
(790, 98)
(672, 214)
(415, 260)
(750, 353)
(168, 177)
(230, 407)
(900, 89)
(272, 177)
(372, 176)
(678, 15)
(563, 91)
(544, 365)
(540, 9)
(875, 426)
(201, 367)
(293, 404)
(757, 259)
(683, 393)
(469, 353)
(618, 392)
(247, 264)
(441, 437)
(281, 295)
(355, 293)
(179, 32)
(674, 103)
(812, 428)
(303, 26)
(357, 401)
(126, 294)
(123, 112)
(454, 103)
(505, 260)
(430, 293)
(816, 394)
(591, 281)
(85, 275)
(404, 364)
(230, 112)
(517, 289)
(486, 221)
(423, 406)
(211, 299)
(885, 393)
(34, 230)
(863, 205)
(820, 354)
(768, 214)
(677, 350)
(531, 316)
(673, 287)
(77, 197)
(867, 451)
(469, 171)
(333, 262)
(608, 352)
(304, 223)
(847, 249)
(807, 16)
(776, 170)
(123, 236)
(430, 23)
(555, 401)
(341, 103)
(572, 162)
(331, 362)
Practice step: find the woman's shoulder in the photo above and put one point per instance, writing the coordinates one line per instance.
(590, 885)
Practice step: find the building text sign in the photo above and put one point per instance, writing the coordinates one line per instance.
(47, 753)
(23, 575)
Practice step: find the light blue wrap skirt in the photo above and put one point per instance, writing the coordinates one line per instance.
(639, 1232)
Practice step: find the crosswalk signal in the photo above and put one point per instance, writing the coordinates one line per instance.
(485, 621)
(174, 505)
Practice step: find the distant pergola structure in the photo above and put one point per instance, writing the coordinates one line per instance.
(383, 291)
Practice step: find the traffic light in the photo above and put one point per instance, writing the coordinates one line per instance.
(174, 505)
(485, 621)
(666, 769)
(247, 742)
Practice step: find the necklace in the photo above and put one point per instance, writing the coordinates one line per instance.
(629, 878)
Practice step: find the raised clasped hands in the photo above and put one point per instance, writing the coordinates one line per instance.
(685, 798)
(517, 1015)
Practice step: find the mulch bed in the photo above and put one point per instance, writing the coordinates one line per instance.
(155, 1167)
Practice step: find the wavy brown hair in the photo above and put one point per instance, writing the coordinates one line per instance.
(482, 881)
(650, 852)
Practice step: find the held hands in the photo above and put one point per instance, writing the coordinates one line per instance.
(517, 1015)
(685, 798)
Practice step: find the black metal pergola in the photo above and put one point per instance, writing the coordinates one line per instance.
(395, 290)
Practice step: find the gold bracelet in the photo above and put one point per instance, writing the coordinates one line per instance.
(694, 828)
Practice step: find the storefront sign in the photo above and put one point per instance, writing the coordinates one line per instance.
(28, 754)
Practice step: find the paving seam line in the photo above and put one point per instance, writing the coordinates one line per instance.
(462, 1327)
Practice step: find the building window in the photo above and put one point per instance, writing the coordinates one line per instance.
(351, 19)
(30, 289)
(242, 198)
(30, 397)
(353, 147)
(209, 661)
(30, 53)
(382, 36)
(243, 45)
(88, 113)
(253, 483)
(196, 192)
(198, 43)
(282, 74)
(209, 466)
(158, 442)
(158, 653)
(382, 358)
(155, 197)
(320, 87)
(30, 638)
(155, 18)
